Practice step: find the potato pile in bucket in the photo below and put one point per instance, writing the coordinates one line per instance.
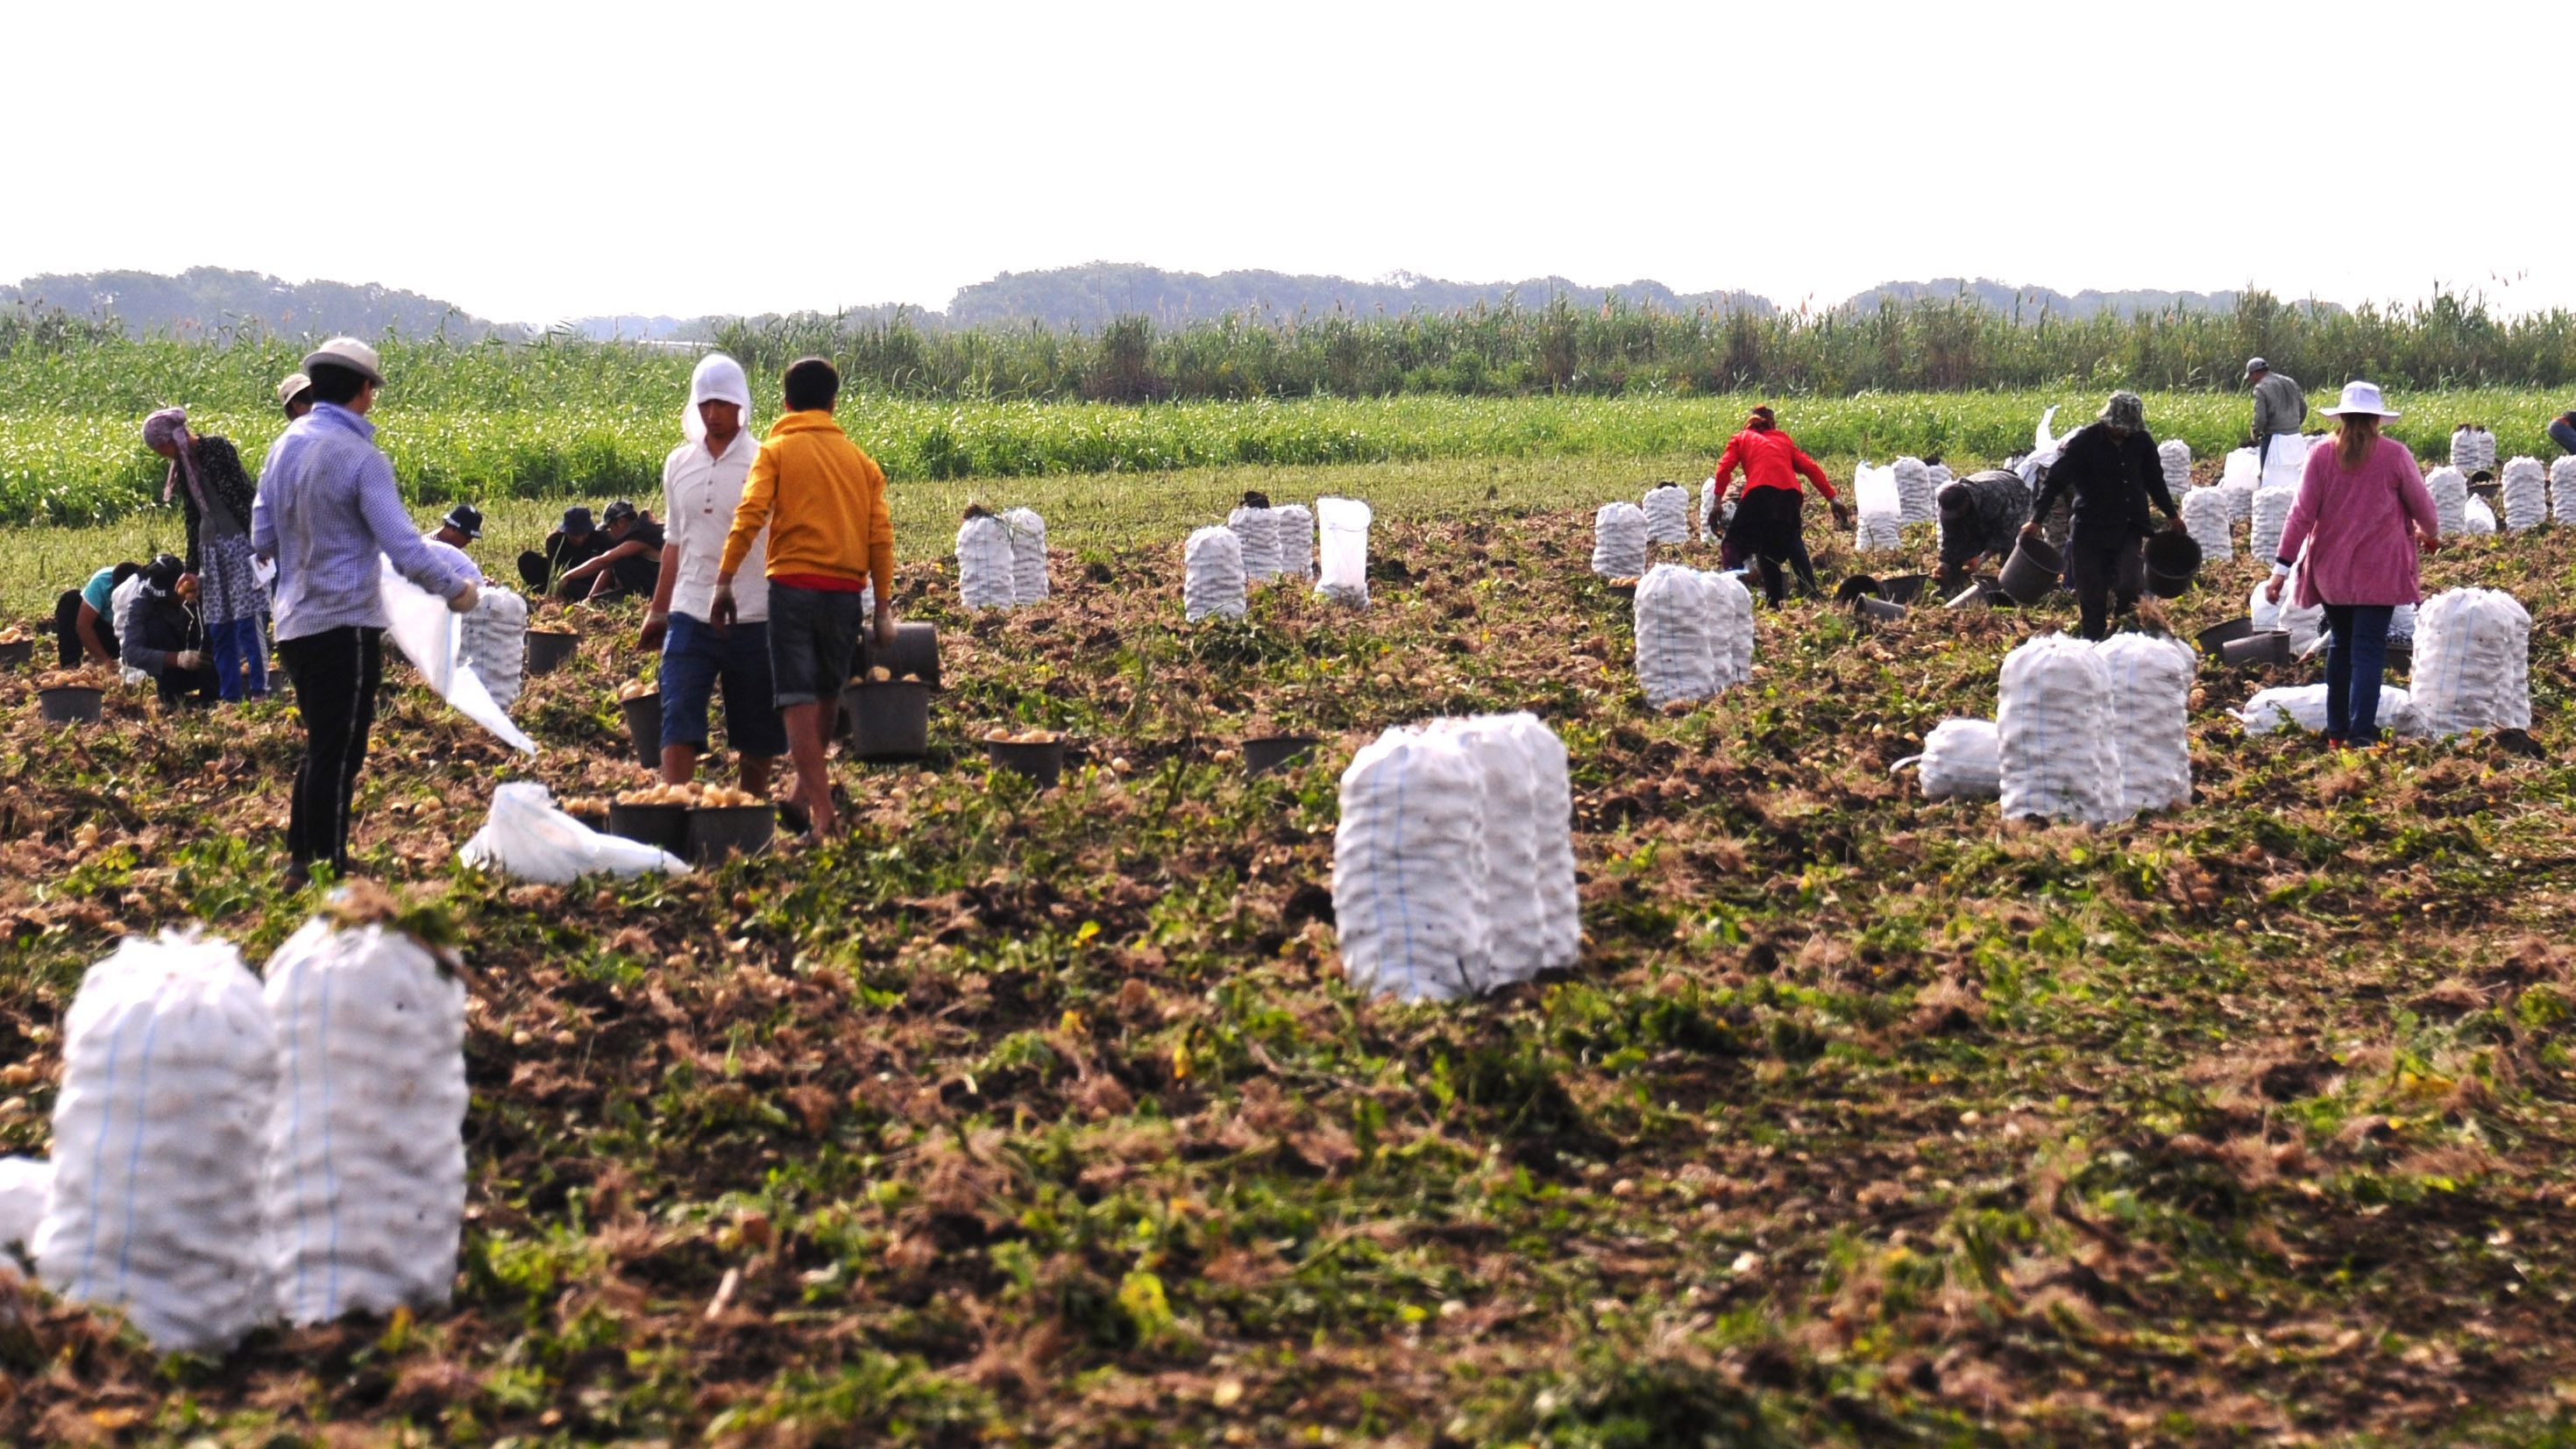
(1024, 737)
(694, 797)
(635, 689)
(87, 677)
(880, 675)
(585, 805)
(14, 635)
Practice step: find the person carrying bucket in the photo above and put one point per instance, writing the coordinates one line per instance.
(2111, 468)
(1768, 529)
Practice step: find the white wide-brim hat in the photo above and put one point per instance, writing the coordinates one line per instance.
(2362, 397)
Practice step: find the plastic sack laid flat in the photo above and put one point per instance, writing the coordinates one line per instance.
(169, 1075)
(1619, 541)
(2477, 518)
(1212, 574)
(1257, 529)
(2207, 516)
(1731, 643)
(364, 1189)
(1342, 526)
(2271, 516)
(24, 1182)
(2056, 759)
(2304, 706)
(1676, 623)
(527, 838)
(2473, 450)
(2173, 458)
(2151, 714)
(2450, 493)
(1029, 582)
(1962, 759)
(1409, 869)
(1914, 490)
(1296, 525)
(987, 574)
(493, 642)
(422, 626)
(2562, 490)
(2472, 666)
(1667, 510)
(2525, 495)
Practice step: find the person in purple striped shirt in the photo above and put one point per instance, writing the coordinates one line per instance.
(329, 517)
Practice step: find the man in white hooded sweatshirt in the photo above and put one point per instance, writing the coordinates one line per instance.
(702, 484)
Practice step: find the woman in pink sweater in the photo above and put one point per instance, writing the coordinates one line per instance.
(2350, 546)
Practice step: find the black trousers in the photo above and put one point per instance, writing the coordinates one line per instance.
(67, 645)
(336, 675)
(2100, 565)
(1770, 529)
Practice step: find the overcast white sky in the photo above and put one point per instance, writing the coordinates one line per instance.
(533, 160)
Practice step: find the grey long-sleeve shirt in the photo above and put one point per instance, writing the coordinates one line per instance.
(2279, 405)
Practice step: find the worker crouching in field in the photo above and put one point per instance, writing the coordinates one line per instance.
(217, 496)
(630, 563)
(85, 618)
(165, 636)
(1769, 527)
(1981, 515)
(2111, 469)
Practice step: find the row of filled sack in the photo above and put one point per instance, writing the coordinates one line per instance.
(228, 1153)
(1001, 558)
(1261, 543)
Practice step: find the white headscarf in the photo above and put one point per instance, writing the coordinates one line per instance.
(718, 379)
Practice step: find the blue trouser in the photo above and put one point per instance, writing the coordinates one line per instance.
(2561, 433)
(2353, 665)
(240, 651)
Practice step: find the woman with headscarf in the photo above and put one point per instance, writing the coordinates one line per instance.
(1769, 527)
(206, 474)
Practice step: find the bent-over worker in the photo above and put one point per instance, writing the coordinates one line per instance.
(1769, 527)
(1981, 515)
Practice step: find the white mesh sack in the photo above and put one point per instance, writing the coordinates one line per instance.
(2151, 706)
(1409, 868)
(2304, 705)
(1962, 759)
(2472, 666)
(1552, 806)
(1676, 621)
(1212, 574)
(1296, 527)
(2056, 759)
(2271, 514)
(1258, 531)
(1941, 478)
(24, 1184)
(1731, 603)
(169, 1074)
(2473, 449)
(365, 1186)
(1914, 490)
(2476, 517)
(2173, 455)
(2526, 495)
(986, 572)
(2562, 490)
(1715, 513)
(1341, 562)
(2450, 492)
(1028, 555)
(2240, 500)
(1667, 510)
(1529, 850)
(1619, 541)
(2209, 518)
(493, 642)
(1880, 503)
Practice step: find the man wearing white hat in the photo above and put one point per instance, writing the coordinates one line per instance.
(326, 513)
(702, 485)
(2280, 407)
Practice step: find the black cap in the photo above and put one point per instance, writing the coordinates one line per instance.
(621, 509)
(466, 519)
(576, 519)
(162, 574)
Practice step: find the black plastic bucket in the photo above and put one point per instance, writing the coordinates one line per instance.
(644, 727)
(2031, 574)
(2173, 560)
(1903, 588)
(69, 704)
(547, 650)
(664, 825)
(721, 830)
(1269, 752)
(2214, 640)
(1874, 610)
(915, 651)
(15, 653)
(889, 719)
(2270, 646)
(1043, 763)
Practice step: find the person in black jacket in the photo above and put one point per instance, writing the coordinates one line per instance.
(2113, 472)
(166, 640)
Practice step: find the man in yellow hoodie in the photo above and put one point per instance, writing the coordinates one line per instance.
(830, 537)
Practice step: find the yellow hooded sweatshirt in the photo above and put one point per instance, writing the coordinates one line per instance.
(823, 502)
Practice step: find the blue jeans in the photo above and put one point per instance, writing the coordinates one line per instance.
(694, 659)
(2353, 665)
(239, 649)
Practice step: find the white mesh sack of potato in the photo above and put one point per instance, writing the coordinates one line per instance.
(2562, 490)
(1667, 510)
(1676, 623)
(2450, 492)
(2526, 495)
(2173, 458)
(2472, 667)
(493, 642)
(1962, 759)
(986, 573)
(2151, 703)
(2206, 513)
(1212, 574)
(2056, 760)
(1296, 526)
(1258, 531)
(1409, 868)
(2271, 516)
(1619, 541)
(1029, 582)
(1916, 500)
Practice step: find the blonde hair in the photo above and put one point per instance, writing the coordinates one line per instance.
(2356, 438)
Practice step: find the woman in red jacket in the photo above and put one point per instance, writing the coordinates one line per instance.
(1769, 527)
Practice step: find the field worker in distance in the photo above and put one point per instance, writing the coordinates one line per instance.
(165, 637)
(1769, 527)
(702, 483)
(823, 503)
(327, 513)
(295, 394)
(462, 525)
(2562, 430)
(630, 562)
(2113, 471)
(1981, 515)
(2350, 546)
(206, 473)
(85, 618)
(574, 542)
(2279, 406)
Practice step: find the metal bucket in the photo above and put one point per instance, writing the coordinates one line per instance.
(548, 650)
(644, 727)
(2173, 560)
(1269, 752)
(2272, 646)
(664, 825)
(2214, 640)
(69, 704)
(1043, 763)
(723, 830)
(889, 719)
(2031, 574)
(915, 651)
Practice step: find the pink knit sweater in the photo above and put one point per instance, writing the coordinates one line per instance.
(2354, 527)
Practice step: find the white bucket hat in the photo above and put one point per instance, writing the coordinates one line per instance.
(2362, 397)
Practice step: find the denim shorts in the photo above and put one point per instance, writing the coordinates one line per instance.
(694, 658)
(813, 641)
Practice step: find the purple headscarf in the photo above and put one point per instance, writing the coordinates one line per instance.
(170, 426)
